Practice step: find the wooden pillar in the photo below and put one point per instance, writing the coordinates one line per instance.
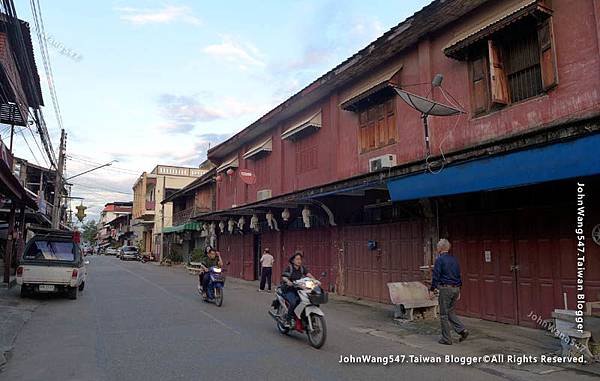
(9, 243)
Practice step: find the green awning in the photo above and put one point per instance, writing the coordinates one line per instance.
(179, 228)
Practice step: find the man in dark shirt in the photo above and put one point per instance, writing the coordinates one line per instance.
(210, 259)
(290, 274)
(446, 279)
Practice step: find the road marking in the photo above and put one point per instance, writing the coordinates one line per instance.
(212, 317)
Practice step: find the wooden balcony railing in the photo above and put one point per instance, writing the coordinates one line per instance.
(185, 215)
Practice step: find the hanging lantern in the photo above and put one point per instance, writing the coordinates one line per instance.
(222, 227)
(81, 212)
(254, 223)
(285, 214)
(230, 226)
(230, 172)
(241, 223)
(271, 221)
(218, 178)
(306, 217)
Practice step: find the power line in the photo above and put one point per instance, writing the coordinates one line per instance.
(38, 20)
(102, 189)
(86, 161)
(38, 117)
(30, 150)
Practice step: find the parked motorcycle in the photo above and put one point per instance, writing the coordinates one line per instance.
(308, 317)
(214, 291)
(147, 258)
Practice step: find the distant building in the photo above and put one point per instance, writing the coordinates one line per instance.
(148, 191)
(114, 226)
(189, 203)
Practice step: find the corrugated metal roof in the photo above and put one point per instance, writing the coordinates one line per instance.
(265, 146)
(231, 163)
(489, 25)
(371, 85)
(314, 121)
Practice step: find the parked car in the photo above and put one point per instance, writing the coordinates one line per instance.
(111, 251)
(129, 253)
(52, 263)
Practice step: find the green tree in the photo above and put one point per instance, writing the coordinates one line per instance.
(90, 229)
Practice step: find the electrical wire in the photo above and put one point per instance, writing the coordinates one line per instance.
(27, 72)
(454, 103)
(102, 189)
(112, 167)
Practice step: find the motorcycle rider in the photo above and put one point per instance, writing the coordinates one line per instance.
(290, 274)
(209, 259)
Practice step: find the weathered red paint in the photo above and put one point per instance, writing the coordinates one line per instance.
(336, 143)
(533, 262)
(398, 256)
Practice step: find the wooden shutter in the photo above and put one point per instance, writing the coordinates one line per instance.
(391, 120)
(498, 80)
(547, 54)
(479, 87)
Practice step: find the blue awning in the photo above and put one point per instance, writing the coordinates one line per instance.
(576, 158)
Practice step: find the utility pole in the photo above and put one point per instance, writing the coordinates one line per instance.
(59, 180)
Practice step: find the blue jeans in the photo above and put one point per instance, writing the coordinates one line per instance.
(292, 297)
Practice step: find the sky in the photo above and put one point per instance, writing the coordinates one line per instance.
(158, 82)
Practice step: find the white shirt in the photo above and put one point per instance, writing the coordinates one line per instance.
(267, 260)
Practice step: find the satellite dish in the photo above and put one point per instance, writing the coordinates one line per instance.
(426, 106)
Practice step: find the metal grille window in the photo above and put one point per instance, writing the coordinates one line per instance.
(522, 63)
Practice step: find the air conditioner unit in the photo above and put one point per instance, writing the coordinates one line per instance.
(263, 194)
(381, 162)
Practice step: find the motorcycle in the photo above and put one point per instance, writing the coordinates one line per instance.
(214, 291)
(308, 317)
(147, 258)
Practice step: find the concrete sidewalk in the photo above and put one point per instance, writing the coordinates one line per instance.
(14, 313)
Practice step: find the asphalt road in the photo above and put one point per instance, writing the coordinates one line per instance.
(139, 321)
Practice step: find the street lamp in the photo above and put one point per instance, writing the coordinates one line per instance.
(93, 169)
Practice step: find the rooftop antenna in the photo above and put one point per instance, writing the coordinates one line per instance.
(428, 106)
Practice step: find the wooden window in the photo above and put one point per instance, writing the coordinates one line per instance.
(306, 157)
(377, 126)
(516, 64)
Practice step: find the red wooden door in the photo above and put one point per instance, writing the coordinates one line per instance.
(546, 259)
(398, 256)
(317, 248)
(232, 251)
(483, 244)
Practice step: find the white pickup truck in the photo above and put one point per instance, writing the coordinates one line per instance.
(52, 262)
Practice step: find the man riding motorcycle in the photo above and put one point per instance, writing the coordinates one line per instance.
(209, 259)
(292, 273)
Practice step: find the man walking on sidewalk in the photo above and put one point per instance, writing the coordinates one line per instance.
(266, 269)
(446, 279)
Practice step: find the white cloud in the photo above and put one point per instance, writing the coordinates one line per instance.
(165, 15)
(230, 50)
(182, 113)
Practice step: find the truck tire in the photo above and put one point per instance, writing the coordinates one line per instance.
(72, 293)
(81, 286)
(24, 291)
